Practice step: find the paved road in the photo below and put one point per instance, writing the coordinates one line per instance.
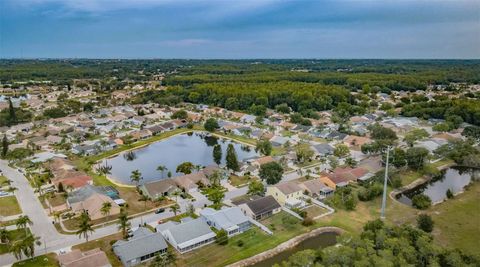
(52, 241)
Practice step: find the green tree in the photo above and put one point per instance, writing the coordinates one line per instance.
(416, 157)
(180, 114)
(28, 245)
(23, 222)
(162, 169)
(136, 177)
(282, 108)
(217, 154)
(231, 158)
(256, 187)
(106, 208)
(4, 146)
(264, 146)
(211, 125)
(341, 150)
(421, 201)
(414, 135)
(12, 118)
(425, 223)
(222, 237)
(185, 167)
(216, 195)
(123, 222)
(175, 208)
(84, 226)
(272, 172)
(304, 153)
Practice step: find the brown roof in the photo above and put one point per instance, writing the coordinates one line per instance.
(160, 187)
(91, 258)
(94, 204)
(190, 180)
(353, 140)
(313, 186)
(264, 160)
(288, 187)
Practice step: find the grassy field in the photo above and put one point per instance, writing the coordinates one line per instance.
(240, 181)
(314, 211)
(3, 179)
(457, 221)
(103, 244)
(9, 206)
(48, 260)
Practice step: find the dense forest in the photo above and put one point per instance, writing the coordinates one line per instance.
(304, 86)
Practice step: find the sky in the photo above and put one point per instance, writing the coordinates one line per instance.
(239, 29)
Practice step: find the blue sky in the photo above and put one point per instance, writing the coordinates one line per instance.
(240, 29)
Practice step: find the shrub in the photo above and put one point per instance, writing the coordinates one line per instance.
(222, 237)
(449, 194)
(307, 221)
(421, 202)
(240, 243)
(425, 223)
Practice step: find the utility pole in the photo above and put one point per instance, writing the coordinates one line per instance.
(384, 200)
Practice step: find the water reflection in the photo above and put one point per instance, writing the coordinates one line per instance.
(196, 148)
(453, 179)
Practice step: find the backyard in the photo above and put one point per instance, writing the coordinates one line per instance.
(48, 260)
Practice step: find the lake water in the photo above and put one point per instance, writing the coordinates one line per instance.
(454, 179)
(193, 147)
(316, 242)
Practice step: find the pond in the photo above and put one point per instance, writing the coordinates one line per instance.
(319, 241)
(455, 179)
(193, 147)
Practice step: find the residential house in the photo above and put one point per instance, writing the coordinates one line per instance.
(323, 149)
(156, 129)
(278, 141)
(356, 142)
(287, 194)
(190, 182)
(189, 235)
(141, 134)
(90, 258)
(232, 220)
(260, 208)
(333, 181)
(316, 188)
(159, 188)
(144, 245)
(90, 200)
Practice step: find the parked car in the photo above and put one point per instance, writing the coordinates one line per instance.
(160, 210)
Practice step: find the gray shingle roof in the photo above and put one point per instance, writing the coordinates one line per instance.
(262, 205)
(187, 231)
(140, 245)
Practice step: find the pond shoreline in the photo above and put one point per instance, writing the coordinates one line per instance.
(111, 178)
(285, 246)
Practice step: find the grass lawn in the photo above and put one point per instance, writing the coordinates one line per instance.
(3, 179)
(103, 244)
(12, 236)
(254, 242)
(48, 260)
(240, 181)
(9, 206)
(409, 176)
(314, 211)
(57, 200)
(457, 221)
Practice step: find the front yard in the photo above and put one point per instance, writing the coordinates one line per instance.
(241, 181)
(104, 244)
(48, 260)
(9, 206)
(12, 236)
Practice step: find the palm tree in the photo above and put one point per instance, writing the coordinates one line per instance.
(123, 223)
(22, 222)
(162, 169)
(28, 245)
(143, 198)
(175, 208)
(136, 177)
(105, 209)
(17, 249)
(56, 216)
(84, 226)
